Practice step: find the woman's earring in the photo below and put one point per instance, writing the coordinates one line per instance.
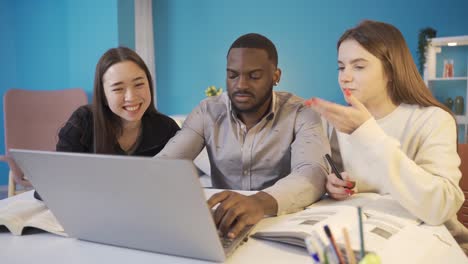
(276, 83)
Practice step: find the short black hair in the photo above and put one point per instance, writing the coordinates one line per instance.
(256, 41)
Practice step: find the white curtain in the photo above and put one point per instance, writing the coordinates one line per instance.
(144, 39)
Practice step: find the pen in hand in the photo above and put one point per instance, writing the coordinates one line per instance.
(350, 185)
(333, 167)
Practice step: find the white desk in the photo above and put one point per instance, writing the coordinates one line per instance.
(48, 248)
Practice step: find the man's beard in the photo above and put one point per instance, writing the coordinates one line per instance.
(256, 106)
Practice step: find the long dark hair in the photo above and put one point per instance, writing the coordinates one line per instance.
(107, 125)
(387, 43)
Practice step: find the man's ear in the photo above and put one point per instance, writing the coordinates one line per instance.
(277, 76)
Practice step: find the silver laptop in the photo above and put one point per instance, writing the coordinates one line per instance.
(142, 203)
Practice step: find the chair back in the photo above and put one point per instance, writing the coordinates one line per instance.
(463, 212)
(33, 118)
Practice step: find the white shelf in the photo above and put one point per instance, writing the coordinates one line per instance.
(430, 78)
(433, 48)
(460, 40)
(448, 79)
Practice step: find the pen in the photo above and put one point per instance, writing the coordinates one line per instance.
(333, 243)
(349, 250)
(333, 167)
(361, 232)
(319, 245)
(312, 248)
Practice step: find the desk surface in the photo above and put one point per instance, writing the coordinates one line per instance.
(45, 248)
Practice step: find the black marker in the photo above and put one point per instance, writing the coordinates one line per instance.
(332, 165)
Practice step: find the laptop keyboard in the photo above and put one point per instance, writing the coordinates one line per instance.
(225, 241)
(230, 244)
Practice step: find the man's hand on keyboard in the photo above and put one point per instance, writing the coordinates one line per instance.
(235, 211)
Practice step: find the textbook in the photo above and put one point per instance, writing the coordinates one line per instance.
(384, 222)
(18, 215)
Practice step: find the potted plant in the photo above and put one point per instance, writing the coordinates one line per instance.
(213, 91)
(423, 40)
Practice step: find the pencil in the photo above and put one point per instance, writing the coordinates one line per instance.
(349, 250)
(333, 243)
(361, 232)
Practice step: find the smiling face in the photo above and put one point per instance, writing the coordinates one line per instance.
(363, 74)
(127, 91)
(250, 78)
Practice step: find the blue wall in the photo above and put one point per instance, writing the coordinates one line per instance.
(126, 22)
(91, 28)
(7, 67)
(192, 38)
(55, 44)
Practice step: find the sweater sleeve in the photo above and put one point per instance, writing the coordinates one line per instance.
(187, 142)
(426, 185)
